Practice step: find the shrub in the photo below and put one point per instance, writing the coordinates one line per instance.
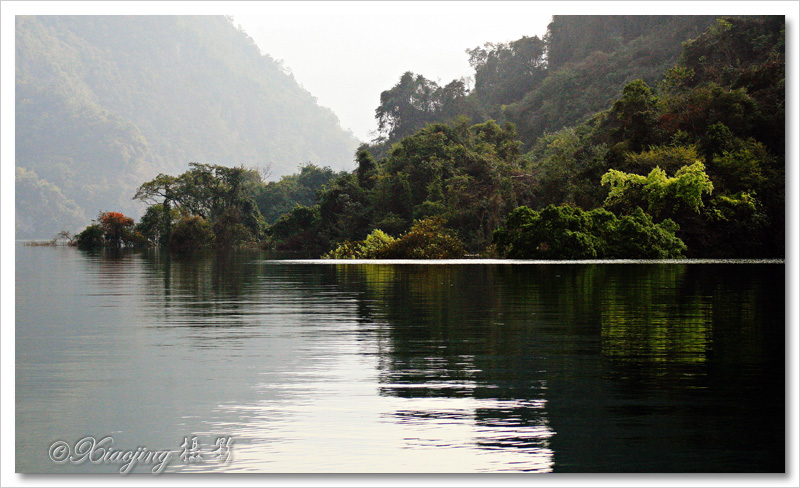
(369, 248)
(92, 237)
(568, 232)
(191, 233)
(427, 239)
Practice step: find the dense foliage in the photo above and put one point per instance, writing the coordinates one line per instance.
(279, 197)
(568, 232)
(207, 204)
(105, 102)
(427, 239)
(691, 164)
(577, 69)
(465, 175)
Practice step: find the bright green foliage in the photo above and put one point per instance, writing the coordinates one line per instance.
(427, 239)
(660, 195)
(369, 248)
(566, 232)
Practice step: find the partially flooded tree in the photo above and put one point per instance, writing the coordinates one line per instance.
(117, 228)
(162, 190)
(222, 196)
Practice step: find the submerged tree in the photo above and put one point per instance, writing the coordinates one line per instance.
(163, 190)
(222, 196)
(117, 228)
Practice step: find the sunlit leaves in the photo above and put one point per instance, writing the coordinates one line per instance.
(659, 194)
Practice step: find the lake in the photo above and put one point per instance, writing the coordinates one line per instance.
(233, 362)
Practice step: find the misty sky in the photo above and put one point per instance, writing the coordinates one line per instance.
(346, 55)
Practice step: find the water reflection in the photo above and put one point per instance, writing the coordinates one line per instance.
(402, 368)
(611, 368)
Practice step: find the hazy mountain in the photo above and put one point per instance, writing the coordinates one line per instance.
(104, 103)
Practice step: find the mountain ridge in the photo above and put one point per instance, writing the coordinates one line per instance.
(123, 98)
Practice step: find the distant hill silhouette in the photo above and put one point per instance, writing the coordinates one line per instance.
(104, 103)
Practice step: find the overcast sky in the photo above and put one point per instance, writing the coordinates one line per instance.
(346, 55)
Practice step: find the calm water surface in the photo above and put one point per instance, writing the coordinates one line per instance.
(312, 367)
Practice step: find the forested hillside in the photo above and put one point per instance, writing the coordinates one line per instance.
(683, 156)
(106, 102)
(689, 162)
(578, 68)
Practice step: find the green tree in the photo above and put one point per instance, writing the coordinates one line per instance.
(567, 232)
(276, 198)
(366, 169)
(370, 248)
(163, 190)
(407, 106)
(633, 117)
(504, 72)
(299, 230)
(92, 237)
(427, 239)
(153, 226)
(223, 196)
(416, 101)
(191, 233)
(660, 195)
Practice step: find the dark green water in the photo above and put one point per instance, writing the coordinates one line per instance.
(397, 368)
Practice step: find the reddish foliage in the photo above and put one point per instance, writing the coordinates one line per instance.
(116, 226)
(112, 220)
